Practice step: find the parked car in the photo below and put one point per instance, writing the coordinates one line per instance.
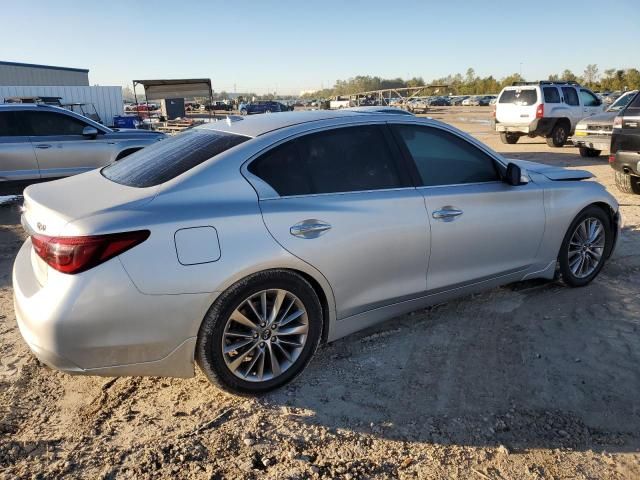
(41, 142)
(219, 105)
(418, 105)
(546, 109)
(458, 99)
(259, 107)
(593, 134)
(625, 147)
(439, 102)
(311, 226)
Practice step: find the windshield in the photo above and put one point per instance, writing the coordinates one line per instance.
(621, 102)
(162, 161)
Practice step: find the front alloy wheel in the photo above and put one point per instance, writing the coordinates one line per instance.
(585, 246)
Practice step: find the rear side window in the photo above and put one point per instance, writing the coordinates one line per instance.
(8, 125)
(551, 95)
(162, 161)
(524, 97)
(51, 123)
(570, 96)
(349, 159)
(446, 159)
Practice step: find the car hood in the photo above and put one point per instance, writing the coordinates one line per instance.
(552, 172)
(605, 118)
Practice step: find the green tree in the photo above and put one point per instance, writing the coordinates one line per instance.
(591, 74)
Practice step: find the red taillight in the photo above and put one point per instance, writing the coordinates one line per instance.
(540, 111)
(493, 112)
(77, 254)
(612, 158)
(617, 122)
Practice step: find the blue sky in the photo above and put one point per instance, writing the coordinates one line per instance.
(289, 46)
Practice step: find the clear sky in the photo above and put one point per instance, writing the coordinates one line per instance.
(289, 46)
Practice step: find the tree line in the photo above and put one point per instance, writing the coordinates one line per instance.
(471, 84)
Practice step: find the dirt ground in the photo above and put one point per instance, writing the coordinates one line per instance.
(529, 381)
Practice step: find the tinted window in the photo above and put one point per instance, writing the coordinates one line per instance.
(519, 97)
(169, 158)
(343, 160)
(589, 99)
(51, 123)
(446, 159)
(9, 125)
(551, 95)
(635, 103)
(570, 96)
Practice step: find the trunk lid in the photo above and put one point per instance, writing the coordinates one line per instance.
(50, 207)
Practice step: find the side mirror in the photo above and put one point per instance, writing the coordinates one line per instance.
(513, 176)
(90, 132)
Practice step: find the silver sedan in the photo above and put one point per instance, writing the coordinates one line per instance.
(244, 244)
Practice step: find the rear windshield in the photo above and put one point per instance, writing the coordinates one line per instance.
(169, 158)
(519, 97)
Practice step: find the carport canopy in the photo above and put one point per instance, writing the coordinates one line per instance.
(175, 88)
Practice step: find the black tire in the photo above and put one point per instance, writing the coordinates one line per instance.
(568, 276)
(558, 136)
(209, 353)
(509, 138)
(627, 183)
(589, 152)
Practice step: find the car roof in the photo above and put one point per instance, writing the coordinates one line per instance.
(256, 125)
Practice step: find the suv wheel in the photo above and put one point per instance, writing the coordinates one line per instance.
(558, 136)
(589, 152)
(585, 246)
(260, 333)
(627, 183)
(509, 138)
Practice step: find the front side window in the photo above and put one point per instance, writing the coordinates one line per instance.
(570, 96)
(349, 159)
(446, 159)
(588, 99)
(51, 123)
(9, 126)
(162, 161)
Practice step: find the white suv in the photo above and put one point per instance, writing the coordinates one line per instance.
(543, 109)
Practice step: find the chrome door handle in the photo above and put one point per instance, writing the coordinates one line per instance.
(310, 228)
(447, 214)
(43, 146)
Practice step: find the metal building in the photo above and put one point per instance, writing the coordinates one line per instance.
(27, 74)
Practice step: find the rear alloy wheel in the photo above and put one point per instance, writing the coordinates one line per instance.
(589, 152)
(558, 136)
(509, 138)
(261, 333)
(627, 183)
(585, 246)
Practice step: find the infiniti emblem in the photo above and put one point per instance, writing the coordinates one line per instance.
(42, 227)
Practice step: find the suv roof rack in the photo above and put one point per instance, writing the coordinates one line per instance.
(547, 82)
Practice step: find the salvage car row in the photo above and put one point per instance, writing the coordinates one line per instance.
(564, 112)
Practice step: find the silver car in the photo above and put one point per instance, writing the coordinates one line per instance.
(245, 243)
(42, 142)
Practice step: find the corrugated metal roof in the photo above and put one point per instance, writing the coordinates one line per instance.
(51, 67)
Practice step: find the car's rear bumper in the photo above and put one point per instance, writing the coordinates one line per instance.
(627, 162)
(595, 142)
(537, 127)
(98, 323)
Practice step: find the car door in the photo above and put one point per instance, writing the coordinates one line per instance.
(591, 105)
(344, 204)
(61, 149)
(17, 158)
(481, 227)
(574, 108)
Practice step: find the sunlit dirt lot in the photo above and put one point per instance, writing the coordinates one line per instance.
(533, 380)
